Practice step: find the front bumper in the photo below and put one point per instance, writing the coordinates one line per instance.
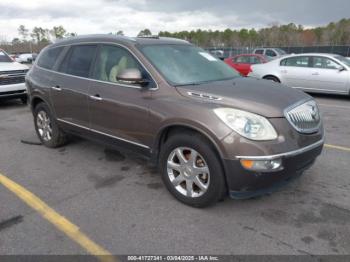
(13, 91)
(243, 183)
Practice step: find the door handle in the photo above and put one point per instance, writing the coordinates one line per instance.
(57, 88)
(315, 74)
(96, 97)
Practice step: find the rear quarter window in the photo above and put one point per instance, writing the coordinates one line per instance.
(49, 57)
(270, 52)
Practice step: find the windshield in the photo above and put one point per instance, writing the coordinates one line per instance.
(4, 57)
(186, 64)
(343, 59)
(280, 51)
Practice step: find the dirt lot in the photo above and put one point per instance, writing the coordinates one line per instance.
(120, 203)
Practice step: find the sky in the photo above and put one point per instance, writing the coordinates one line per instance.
(105, 16)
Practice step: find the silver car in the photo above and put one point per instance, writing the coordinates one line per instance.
(270, 52)
(311, 72)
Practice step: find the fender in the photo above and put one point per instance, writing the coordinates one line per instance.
(198, 127)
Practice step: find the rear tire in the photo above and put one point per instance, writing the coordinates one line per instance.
(46, 127)
(200, 170)
(272, 78)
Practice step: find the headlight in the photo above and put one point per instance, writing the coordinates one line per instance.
(247, 124)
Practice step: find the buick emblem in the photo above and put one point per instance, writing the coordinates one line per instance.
(313, 111)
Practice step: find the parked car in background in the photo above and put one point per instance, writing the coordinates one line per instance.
(270, 52)
(26, 58)
(218, 53)
(311, 72)
(242, 63)
(210, 131)
(12, 78)
(13, 56)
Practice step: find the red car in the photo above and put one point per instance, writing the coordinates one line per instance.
(242, 63)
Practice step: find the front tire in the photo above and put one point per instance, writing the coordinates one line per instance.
(46, 127)
(191, 170)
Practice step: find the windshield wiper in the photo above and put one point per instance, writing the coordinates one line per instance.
(189, 84)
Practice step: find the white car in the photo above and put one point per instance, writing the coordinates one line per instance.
(12, 78)
(311, 72)
(25, 58)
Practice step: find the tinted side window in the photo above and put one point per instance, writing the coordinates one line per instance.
(324, 62)
(254, 60)
(242, 60)
(49, 57)
(78, 60)
(259, 51)
(270, 52)
(111, 60)
(298, 61)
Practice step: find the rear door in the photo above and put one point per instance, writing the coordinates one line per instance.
(119, 110)
(242, 64)
(326, 76)
(70, 91)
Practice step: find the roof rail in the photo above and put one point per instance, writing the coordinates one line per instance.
(148, 36)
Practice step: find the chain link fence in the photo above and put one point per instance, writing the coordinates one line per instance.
(232, 51)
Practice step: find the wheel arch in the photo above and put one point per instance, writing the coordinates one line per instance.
(166, 131)
(272, 75)
(35, 100)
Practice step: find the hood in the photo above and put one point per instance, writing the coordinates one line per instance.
(9, 66)
(262, 97)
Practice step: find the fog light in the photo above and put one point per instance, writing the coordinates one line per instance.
(262, 165)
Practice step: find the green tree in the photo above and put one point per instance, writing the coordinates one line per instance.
(336, 33)
(16, 40)
(58, 32)
(145, 32)
(40, 34)
(23, 32)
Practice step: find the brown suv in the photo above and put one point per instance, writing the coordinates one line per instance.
(211, 131)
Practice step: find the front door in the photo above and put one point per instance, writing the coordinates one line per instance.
(119, 110)
(327, 77)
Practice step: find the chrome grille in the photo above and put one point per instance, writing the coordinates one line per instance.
(305, 118)
(12, 77)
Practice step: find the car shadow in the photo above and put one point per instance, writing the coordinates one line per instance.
(10, 104)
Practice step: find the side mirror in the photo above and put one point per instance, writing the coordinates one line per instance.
(341, 68)
(131, 76)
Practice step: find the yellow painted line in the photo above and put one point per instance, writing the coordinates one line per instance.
(60, 222)
(343, 148)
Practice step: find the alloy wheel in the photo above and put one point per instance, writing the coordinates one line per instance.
(188, 172)
(44, 127)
